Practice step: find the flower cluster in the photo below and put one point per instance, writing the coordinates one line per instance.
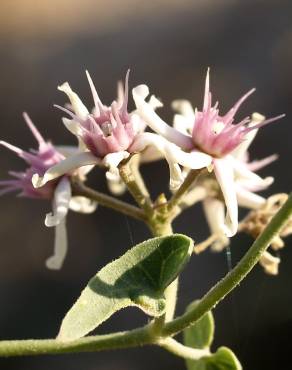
(109, 134)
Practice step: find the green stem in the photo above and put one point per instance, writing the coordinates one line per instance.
(145, 335)
(27, 347)
(108, 201)
(178, 349)
(140, 195)
(235, 276)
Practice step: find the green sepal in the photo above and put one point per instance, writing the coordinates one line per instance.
(138, 278)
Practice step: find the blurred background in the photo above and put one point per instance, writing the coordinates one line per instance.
(167, 44)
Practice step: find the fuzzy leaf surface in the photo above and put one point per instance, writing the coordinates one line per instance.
(138, 278)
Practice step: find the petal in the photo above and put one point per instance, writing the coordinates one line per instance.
(215, 214)
(65, 167)
(173, 154)
(184, 107)
(245, 176)
(223, 169)
(78, 107)
(155, 122)
(183, 124)
(55, 262)
(259, 164)
(270, 263)
(82, 204)
(248, 199)
(62, 197)
(115, 183)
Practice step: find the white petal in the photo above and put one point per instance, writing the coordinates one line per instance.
(72, 126)
(270, 263)
(182, 124)
(155, 122)
(61, 202)
(248, 199)
(195, 195)
(215, 213)
(65, 167)
(82, 204)
(78, 107)
(248, 178)
(112, 160)
(257, 165)
(55, 262)
(173, 154)
(184, 107)
(67, 150)
(225, 176)
(115, 183)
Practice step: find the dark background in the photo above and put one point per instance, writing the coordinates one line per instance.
(168, 45)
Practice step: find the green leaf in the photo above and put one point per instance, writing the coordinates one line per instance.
(201, 334)
(138, 278)
(223, 359)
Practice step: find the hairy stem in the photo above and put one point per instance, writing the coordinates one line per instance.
(107, 201)
(178, 349)
(140, 195)
(235, 276)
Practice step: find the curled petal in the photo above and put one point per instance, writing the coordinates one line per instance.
(184, 107)
(225, 176)
(215, 213)
(248, 199)
(78, 107)
(270, 263)
(182, 124)
(62, 197)
(65, 167)
(173, 154)
(248, 178)
(115, 183)
(155, 122)
(82, 204)
(55, 262)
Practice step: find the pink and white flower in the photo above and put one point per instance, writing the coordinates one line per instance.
(212, 138)
(109, 135)
(58, 191)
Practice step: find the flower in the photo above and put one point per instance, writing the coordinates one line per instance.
(109, 135)
(58, 191)
(210, 136)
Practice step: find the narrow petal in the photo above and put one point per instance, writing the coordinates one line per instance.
(55, 262)
(155, 122)
(245, 175)
(77, 105)
(65, 167)
(225, 176)
(82, 205)
(259, 164)
(247, 199)
(62, 197)
(215, 214)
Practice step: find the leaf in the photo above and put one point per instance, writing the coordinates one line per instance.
(201, 334)
(223, 359)
(138, 278)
